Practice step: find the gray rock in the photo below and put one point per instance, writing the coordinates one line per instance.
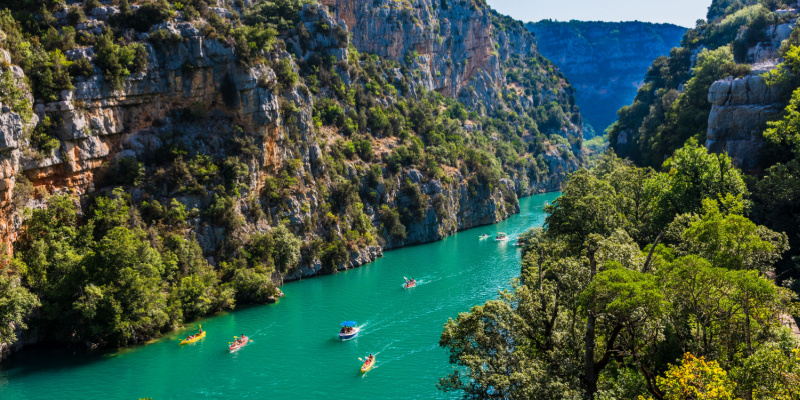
(740, 110)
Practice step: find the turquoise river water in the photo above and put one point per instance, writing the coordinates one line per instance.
(295, 353)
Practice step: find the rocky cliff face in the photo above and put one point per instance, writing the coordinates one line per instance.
(281, 150)
(605, 61)
(459, 47)
(740, 110)
(453, 45)
(742, 106)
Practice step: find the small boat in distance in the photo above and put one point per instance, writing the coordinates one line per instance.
(368, 364)
(410, 283)
(349, 330)
(519, 243)
(484, 236)
(238, 343)
(193, 338)
(501, 237)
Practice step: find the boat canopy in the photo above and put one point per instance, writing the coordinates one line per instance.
(349, 323)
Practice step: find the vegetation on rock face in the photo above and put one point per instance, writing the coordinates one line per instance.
(216, 213)
(636, 288)
(604, 61)
(673, 107)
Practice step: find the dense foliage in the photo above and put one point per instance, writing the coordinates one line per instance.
(209, 218)
(640, 284)
(672, 106)
(125, 275)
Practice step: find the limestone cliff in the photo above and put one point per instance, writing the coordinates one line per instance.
(740, 110)
(709, 88)
(605, 61)
(741, 107)
(353, 152)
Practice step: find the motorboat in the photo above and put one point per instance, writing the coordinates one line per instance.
(349, 330)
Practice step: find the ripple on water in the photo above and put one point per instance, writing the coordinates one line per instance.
(295, 352)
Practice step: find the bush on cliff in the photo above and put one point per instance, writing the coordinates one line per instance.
(277, 14)
(117, 61)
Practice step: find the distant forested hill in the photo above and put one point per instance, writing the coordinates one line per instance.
(605, 61)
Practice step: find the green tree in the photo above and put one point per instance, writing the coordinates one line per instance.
(586, 207)
(691, 175)
(16, 303)
(732, 241)
(122, 301)
(772, 373)
(286, 249)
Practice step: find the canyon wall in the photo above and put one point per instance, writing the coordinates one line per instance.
(605, 61)
(197, 100)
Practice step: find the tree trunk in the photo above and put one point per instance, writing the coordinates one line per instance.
(591, 319)
(650, 254)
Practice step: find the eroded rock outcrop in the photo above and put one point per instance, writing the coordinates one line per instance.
(196, 98)
(194, 74)
(740, 110)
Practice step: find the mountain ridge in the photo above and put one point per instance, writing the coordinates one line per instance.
(605, 61)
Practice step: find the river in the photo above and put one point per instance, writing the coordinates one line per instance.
(295, 353)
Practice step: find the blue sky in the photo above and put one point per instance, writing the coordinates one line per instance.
(679, 12)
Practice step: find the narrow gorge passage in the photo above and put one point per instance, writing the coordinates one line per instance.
(295, 353)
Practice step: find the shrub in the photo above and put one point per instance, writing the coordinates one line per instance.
(124, 171)
(147, 15)
(117, 62)
(277, 14)
(415, 208)
(390, 218)
(82, 67)
(287, 78)
(14, 96)
(333, 255)
(42, 137)
(222, 212)
(48, 72)
(252, 287)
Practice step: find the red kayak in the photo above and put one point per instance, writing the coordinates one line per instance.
(239, 343)
(410, 284)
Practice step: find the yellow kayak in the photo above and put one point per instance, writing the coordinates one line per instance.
(194, 339)
(367, 365)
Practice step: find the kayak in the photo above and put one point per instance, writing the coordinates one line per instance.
(367, 365)
(238, 345)
(409, 284)
(194, 339)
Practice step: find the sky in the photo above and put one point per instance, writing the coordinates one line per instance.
(679, 12)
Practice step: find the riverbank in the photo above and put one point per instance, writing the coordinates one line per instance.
(357, 259)
(295, 353)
